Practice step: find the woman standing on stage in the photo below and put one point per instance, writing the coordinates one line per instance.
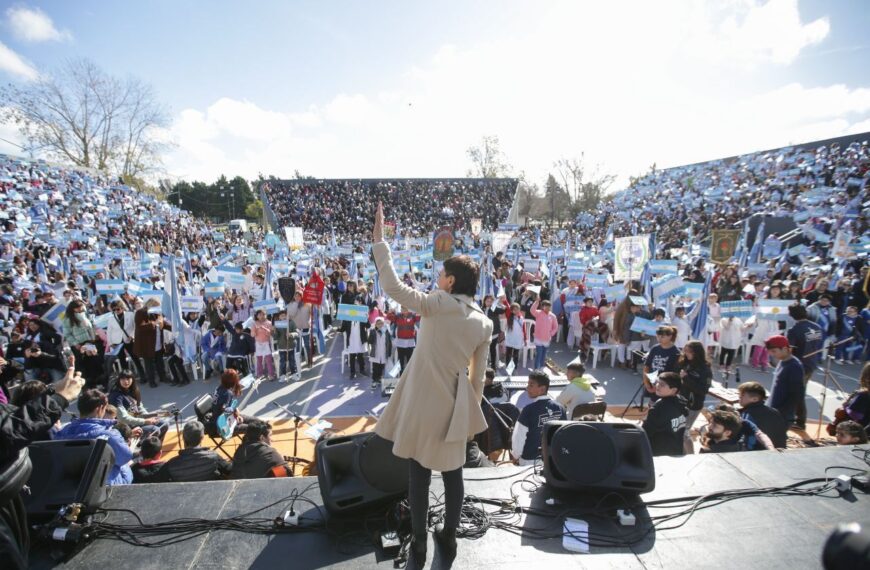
(435, 408)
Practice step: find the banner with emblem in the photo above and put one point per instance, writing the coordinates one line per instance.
(630, 255)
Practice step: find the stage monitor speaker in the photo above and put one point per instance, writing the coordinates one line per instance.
(597, 456)
(359, 471)
(286, 288)
(67, 471)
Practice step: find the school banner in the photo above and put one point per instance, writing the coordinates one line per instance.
(630, 255)
(294, 237)
(724, 245)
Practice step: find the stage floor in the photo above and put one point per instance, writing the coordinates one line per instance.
(761, 532)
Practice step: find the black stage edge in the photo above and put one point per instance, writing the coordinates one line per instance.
(761, 532)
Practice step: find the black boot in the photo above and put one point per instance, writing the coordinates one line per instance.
(418, 551)
(446, 539)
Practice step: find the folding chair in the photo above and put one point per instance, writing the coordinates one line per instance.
(202, 408)
(596, 409)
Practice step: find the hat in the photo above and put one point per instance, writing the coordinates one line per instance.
(776, 341)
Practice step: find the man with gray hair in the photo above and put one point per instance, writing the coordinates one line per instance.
(196, 463)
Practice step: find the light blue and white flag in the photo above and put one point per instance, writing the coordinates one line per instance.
(109, 286)
(268, 305)
(773, 309)
(357, 313)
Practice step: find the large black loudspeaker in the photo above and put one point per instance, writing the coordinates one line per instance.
(595, 456)
(67, 471)
(359, 471)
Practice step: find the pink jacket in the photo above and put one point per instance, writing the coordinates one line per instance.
(546, 325)
(262, 332)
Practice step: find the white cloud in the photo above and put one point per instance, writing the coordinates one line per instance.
(12, 63)
(671, 84)
(34, 25)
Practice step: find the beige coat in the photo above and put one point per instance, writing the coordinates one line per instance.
(436, 406)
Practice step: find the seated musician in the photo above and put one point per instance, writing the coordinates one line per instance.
(127, 398)
(256, 458)
(851, 433)
(529, 428)
(149, 469)
(579, 389)
(856, 408)
(491, 391)
(227, 392)
(196, 463)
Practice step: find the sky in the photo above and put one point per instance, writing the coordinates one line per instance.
(402, 89)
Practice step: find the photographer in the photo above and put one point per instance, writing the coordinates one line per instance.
(39, 363)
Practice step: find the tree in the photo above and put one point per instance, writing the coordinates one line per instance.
(585, 188)
(221, 201)
(487, 159)
(254, 210)
(558, 202)
(85, 116)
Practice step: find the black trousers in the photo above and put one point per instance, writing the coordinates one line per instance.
(14, 534)
(404, 356)
(377, 371)
(493, 353)
(726, 356)
(512, 354)
(176, 367)
(418, 497)
(358, 357)
(154, 368)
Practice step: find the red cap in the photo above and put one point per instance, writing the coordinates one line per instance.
(776, 341)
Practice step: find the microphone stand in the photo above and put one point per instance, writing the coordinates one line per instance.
(297, 419)
(827, 376)
(500, 416)
(176, 414)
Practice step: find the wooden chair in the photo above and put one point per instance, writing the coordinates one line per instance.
(202, 409)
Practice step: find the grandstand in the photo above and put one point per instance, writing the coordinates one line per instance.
(417, 205)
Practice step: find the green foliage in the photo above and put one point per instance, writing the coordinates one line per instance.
(220, 201)
(254, 210)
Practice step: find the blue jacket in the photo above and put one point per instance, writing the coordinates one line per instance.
(93, 428)
(208, 349)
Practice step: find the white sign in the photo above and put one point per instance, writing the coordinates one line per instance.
(294, 237)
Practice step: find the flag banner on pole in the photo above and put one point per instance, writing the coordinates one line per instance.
(573, 303)
(663, 266)
(724, 245)
(109, 286)
(213, 290)
(739, 309)
(694, 290)
(268, 305)
(148, 295)
(773, 309)
(191, 304)
(55, 314)
(630, 255)
(644, 326)
(667, 286)
(359, 313)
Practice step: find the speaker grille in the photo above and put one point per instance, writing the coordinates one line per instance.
(380, 468)
(583, 454)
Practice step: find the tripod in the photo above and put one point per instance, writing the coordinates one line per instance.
(827, 376)
(294, 460)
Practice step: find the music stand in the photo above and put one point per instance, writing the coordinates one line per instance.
(642, 355)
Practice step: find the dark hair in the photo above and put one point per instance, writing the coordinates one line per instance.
(151, 447)
(578, 368)
(490, 373)
(465, 272)
(90, 400)
(133, 391)
(192, 433)
(797, 312)
(125, 430)
(71, 314)
(753, 389)
(728, 420)
(659, 312)
(667, 331)
(546, 303)
(256, 430)
(672, 379)
(699, 355)
(852, 429)
(28, 391)
(540, 378)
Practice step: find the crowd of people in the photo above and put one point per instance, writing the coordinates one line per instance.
(87, 269)
(417, 206)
